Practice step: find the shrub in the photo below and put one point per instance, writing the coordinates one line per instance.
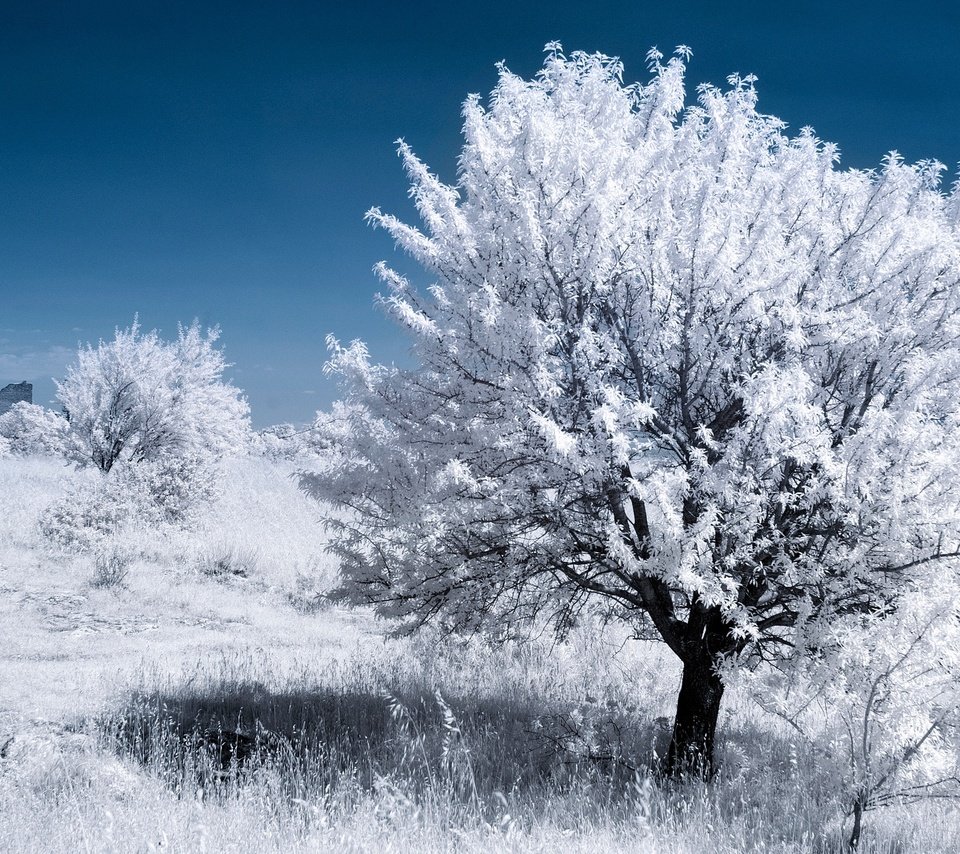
(111, 567)
(29, 429)
(227, 561)
(170, 488)
(309, 593)
(88, 513)
(166, 491)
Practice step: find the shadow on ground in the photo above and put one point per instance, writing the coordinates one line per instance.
(323, 739)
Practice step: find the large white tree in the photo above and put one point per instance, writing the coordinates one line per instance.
(139, 398)
(672, 359)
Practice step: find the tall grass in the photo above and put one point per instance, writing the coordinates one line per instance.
(272, 741)
(415, 749)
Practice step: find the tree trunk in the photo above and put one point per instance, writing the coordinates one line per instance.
(695, 726)
(858, 806)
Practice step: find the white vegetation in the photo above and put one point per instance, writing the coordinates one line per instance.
(673, 363)
(155, 417)
(141, 399)
(878, 706)
(31, 429)
(673, 360)
(350, 778)
(287, 442)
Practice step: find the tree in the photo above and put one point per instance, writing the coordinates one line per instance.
(882, 708)
(141, 399)
(672, 360)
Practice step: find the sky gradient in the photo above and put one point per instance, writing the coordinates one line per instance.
(215, 160)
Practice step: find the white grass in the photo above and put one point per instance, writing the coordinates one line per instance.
(105, 687)
(69, 643)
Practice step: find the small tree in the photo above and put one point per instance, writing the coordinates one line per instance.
(673, 360)
(141, 399)
(884, 696)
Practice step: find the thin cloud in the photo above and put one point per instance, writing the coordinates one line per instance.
(25, 363)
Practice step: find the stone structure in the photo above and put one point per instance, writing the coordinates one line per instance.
(14, 393)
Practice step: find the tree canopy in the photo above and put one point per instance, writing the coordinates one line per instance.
(671, 358)
(139, 398)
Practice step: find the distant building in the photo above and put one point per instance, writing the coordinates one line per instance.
(14, 393)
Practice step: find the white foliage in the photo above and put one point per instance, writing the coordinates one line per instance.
(661, 347)
(30, 429)
(287, 442)
(156, 417)
(139, 398)
(883, 697)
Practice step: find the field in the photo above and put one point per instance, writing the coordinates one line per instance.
(191, 689)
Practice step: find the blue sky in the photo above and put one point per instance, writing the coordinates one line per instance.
(215, 160)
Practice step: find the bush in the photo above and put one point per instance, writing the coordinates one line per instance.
(166, 491)
(169, 488)
(111, 567)
(226, 561)
(283, 442)
(309, 593)
(88, 513)
(28, 429)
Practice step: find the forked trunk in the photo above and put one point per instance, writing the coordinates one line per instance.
(695, 726)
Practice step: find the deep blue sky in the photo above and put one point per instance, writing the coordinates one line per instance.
(215, 160)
